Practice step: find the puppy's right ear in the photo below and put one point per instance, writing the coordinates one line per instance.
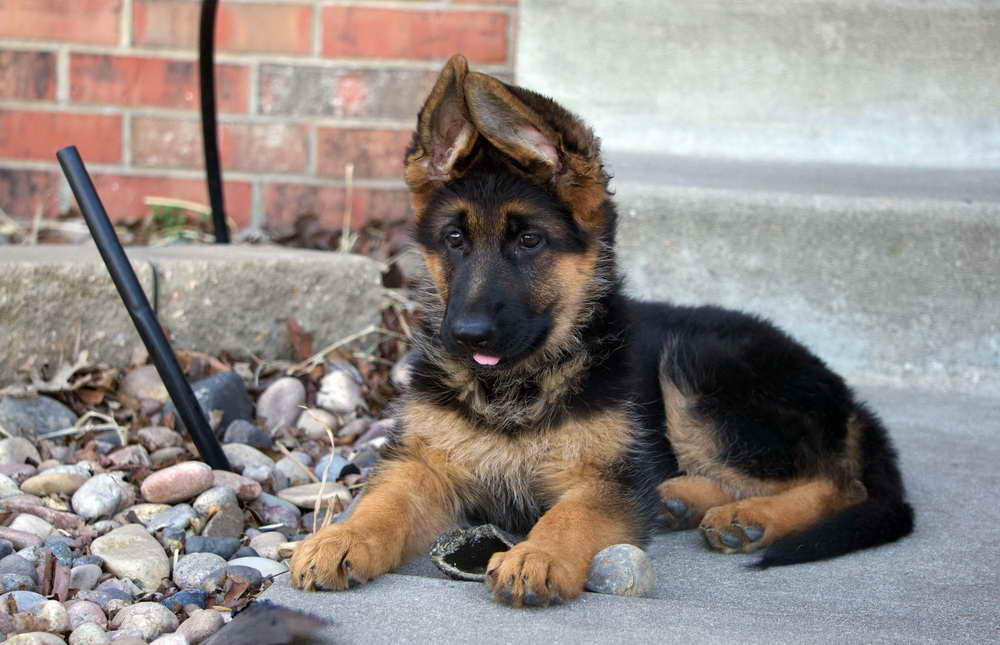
(445, 132)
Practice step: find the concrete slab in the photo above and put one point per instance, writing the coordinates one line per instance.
(885, 82)
(897, 290)
(57, 300)
(939, 585)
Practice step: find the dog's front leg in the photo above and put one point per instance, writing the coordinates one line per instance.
(408, 504)
(551, 566)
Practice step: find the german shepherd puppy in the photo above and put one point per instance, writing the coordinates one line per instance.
(550, 404)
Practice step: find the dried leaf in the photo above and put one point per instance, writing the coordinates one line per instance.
(301, 340)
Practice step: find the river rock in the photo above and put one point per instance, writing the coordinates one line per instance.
(17, 450)
(402, 372)
(157, 437)
(205, 571)
(84, 576)
(332, 467)
(31, 524)
(251, 575)
(131, 552)
(245, 488)
(213, 499)
(313, 422)
(266, 567)
(85, 611)
(18, 472)
(99, 496)
(50, 483)
(329, 493)
(177, 517)
(34, 415)
(202, 624)
(185, 599)
(244, 432)
(53, 612)
(34, 638)
(241, 455)
(89, 634)
(129, 456)
(177, 483)
(149, 618)
(18, 564)
(223, 391)
(340, 390)
(227, 522)
(23, 600)
(223, 547)
(19, 539)
(280, 404)
(175, 638)
(294, 471)
(266, 544)
(8, 487)
(622, 570)
(144, 382)
(168, 455)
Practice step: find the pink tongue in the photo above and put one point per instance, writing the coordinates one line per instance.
(483, 359)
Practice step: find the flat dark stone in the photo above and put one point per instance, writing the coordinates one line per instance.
(463, 553)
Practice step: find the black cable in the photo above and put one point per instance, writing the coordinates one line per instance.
(209, 125)
(138, 308)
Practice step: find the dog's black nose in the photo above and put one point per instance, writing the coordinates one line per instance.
(473, 330)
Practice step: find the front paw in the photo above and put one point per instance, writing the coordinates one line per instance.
(334, 559)
(531, 576)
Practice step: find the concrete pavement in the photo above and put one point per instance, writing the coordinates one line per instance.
(941, 584)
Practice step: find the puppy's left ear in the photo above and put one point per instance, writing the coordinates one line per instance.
(547, 142)
(510, 125)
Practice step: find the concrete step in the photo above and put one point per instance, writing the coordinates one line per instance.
(890, 275)
(58, 300)
(938, 585)
(883, 82)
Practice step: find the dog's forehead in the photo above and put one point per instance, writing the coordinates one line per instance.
(487, 207)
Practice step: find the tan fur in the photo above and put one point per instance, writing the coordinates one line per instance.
(546, 464)
(796, 508)
(552, 564)
(408, 504)
(725, 500)
(698, 494)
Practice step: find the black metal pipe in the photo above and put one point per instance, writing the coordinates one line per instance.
(209, 126)
(138, 308)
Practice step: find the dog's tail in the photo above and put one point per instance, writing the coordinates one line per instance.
(881, 518)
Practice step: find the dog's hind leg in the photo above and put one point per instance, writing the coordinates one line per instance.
(749, 524)
(687, 498)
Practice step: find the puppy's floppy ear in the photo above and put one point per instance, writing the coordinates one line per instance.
(445, 133)
(510, 125)
(546, 141)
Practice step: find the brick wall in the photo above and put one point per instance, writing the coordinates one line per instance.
(305, 87)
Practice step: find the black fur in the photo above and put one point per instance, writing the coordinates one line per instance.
(778, 411)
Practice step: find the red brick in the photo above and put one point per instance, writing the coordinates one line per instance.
(374, 153)
(253, 147)
(27, 75)
(38, 135)
(123, 195)
(395, 33)
(23, 192)
(80, 21)
(152, 82)
(277, 28)
(283, 203)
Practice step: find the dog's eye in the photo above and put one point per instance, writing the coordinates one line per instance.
(454, 239)
(530, 240)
